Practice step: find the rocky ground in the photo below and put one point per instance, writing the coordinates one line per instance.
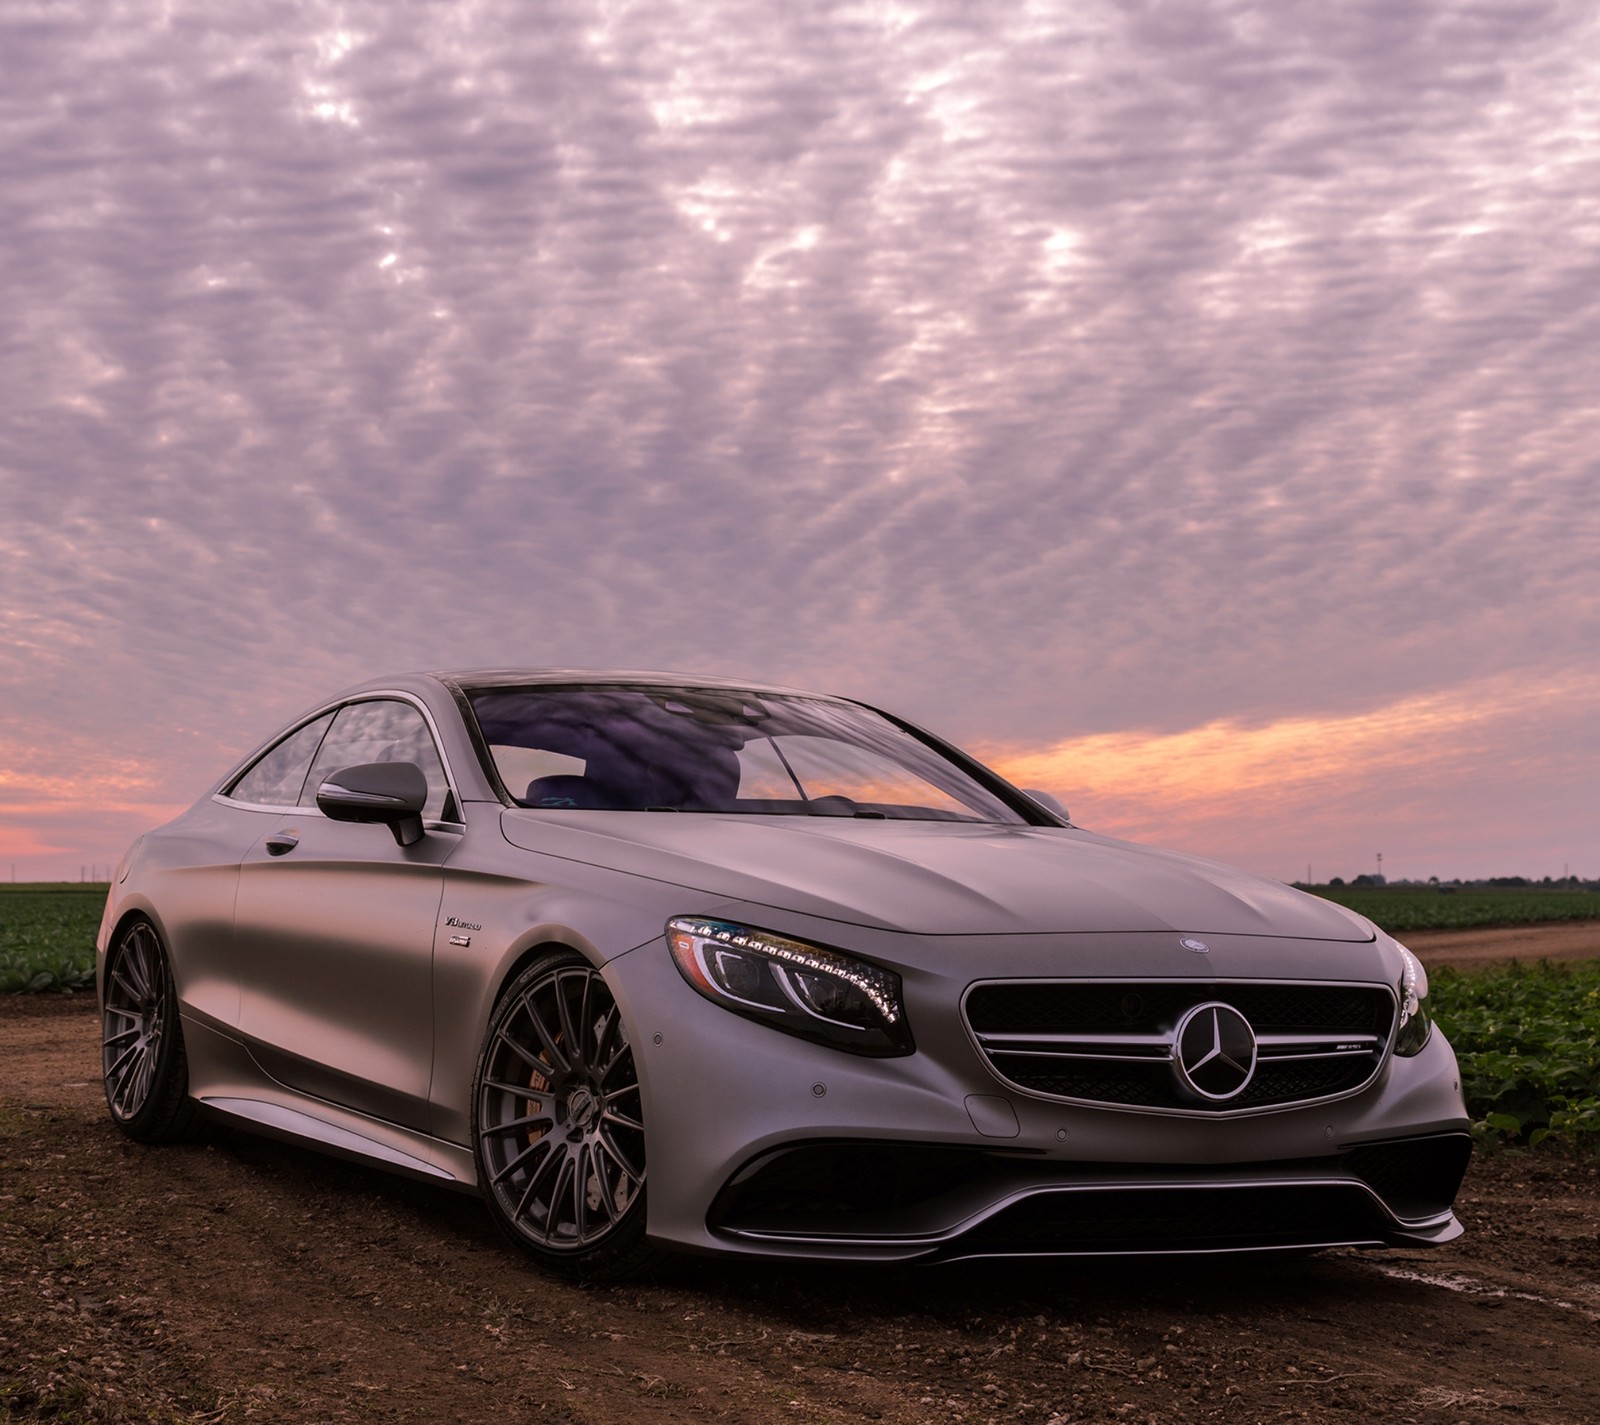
(236, 1280)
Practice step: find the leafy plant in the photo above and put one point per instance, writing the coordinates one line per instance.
(1528, 1042)
(47, 935)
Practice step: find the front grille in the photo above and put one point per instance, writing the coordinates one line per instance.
(1115, 1042)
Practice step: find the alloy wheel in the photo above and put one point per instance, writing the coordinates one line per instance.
(560, 1125)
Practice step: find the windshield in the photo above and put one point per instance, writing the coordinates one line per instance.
(617, 748)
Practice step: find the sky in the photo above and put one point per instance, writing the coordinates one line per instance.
(1192, 407)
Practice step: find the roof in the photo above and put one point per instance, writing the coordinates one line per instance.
(522, 677)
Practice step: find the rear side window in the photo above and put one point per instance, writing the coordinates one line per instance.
(278, 776)
(380, 730)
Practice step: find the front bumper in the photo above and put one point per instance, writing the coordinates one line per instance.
(763, 1144)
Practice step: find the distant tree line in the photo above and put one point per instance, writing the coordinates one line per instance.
(1555, 883)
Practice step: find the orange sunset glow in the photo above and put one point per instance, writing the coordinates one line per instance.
(1307, 787)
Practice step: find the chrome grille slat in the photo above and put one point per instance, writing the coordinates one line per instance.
(1163, 1057)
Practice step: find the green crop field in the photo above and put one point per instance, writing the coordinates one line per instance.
(1401, 908)
(1528, 1042)
(47, 935)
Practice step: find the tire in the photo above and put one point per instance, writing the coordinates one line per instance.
(558, 1123)
(142, 1059)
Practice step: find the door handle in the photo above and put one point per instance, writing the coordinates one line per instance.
(282, 843)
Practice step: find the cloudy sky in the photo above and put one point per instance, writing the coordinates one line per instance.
(1194, 407)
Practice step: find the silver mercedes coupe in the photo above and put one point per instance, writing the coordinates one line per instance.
(659, 962)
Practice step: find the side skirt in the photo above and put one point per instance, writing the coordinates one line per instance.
(230, 1087)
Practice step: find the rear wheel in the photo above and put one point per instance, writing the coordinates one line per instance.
(558, 1122)
(141, 1042)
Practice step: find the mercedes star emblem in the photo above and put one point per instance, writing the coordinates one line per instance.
(1214, 1051)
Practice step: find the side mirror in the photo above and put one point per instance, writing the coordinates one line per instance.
(391, 792)
(1049, 802)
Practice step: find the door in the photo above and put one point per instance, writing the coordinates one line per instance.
(333, 932)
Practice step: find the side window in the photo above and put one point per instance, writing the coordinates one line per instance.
(276, 778)
(381, 730)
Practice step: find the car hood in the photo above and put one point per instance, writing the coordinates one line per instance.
(934, 878)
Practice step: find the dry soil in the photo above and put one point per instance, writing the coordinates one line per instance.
(237, 1280)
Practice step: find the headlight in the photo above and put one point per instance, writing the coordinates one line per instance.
(1415, 1021)
(801, 989)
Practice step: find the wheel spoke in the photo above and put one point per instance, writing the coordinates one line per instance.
(129, 1096)
(611, 1113)
(144, 1074)
(585, 1054)
(604, 1035)
(552, 1162)
(527, 1091)
(618, 1157)
(557, 1059)
(562, 1185)
(623, 1054)
(539, 1145)
(120, 981)
(580, 1192)
(597, 1156)
(116, 1071)
(532, 1060)
(621, 1120)
(131, 973)
(517, 1125)
(568, 1034)
(138, 962)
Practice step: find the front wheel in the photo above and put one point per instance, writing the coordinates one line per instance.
(558, 1122)
(142, 1058)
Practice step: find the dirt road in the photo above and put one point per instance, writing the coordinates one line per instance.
(1465, 949)
(237, 1280)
